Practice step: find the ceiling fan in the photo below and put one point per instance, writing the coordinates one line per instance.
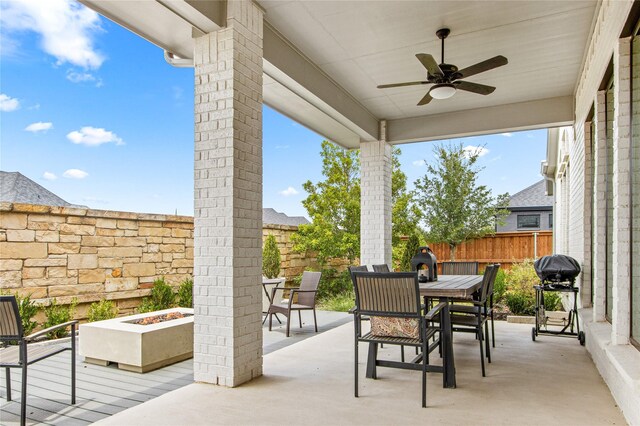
(447, 78)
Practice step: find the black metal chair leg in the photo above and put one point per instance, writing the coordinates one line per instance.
(300, 317)
(270, 320)
(23, 397)
(402, 353)
(73, 364)
(315, 321)
(486, 341)
(493, 331)
(356, 358)
(481, 351)
(8, 377)
(288, 323)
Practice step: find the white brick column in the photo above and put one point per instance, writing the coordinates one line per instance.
(375, 201)
(228, 199)
(620, 317)
(587, 192)
(599, 210)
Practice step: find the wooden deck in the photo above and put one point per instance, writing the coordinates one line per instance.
(104, 391)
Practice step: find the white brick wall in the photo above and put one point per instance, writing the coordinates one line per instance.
(621, 267)
(599, 210)
(228, 199)
(375, 190)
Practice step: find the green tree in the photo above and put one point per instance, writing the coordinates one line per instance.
(457, 208)
(405, 213)
(334, 207)
(270, 258)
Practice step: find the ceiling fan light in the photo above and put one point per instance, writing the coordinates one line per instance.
(442, 91)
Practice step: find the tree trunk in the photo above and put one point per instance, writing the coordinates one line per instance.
(452, 252)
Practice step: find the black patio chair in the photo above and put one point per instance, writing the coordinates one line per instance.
(472, 317)
(392, 301)
(24, 353)
(381, 268)
(459, 268)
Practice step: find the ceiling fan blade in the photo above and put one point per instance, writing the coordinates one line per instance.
(430, 64)
(425, 100)
(408, 83)
(489, 64)
(480, 89)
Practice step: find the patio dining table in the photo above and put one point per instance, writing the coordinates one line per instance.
(446, 288)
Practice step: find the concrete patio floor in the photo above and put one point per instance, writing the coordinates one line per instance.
(550, 381)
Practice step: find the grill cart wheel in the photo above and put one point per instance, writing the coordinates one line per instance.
(581, 337)
(533, 334)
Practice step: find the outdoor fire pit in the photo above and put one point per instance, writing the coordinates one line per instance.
(141, 342)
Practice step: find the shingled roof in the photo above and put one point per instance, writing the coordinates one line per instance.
(273, 217)
(17, 188)
(532, 196)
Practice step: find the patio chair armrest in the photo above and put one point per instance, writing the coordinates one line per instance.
(353, 311)
(435, 311)
(297, 290)
(41, 333)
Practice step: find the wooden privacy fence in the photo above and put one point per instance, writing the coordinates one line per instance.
(504, 248)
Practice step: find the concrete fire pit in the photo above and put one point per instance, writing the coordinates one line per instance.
(136, 347)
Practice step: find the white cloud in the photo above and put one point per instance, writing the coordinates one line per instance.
(39, 127)
(49, 176)
(288, 192)
(75, 174)
(419, 163)
(67, 28)
(79, 77)
(507, 135)
(36, 107)
(7, 103)
(93, 136)
(479, 150)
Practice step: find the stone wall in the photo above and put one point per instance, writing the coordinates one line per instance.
(58, 252)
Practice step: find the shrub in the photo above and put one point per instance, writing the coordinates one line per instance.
(519, 294)
(499, 286)
(28, 310)
(333, 283)
(413, 243)
(270, 258)
(58, 314)
(185, 294)
(161, 297)
(341, 302)
(102, 310)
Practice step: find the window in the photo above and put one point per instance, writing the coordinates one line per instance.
(551, 220)
(526, 221)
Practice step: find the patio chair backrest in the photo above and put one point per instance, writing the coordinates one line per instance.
(310, 281)
(387, 294)
(459, 268)
(493, 279)
(381, 268)
(10, 322)
(487, 281)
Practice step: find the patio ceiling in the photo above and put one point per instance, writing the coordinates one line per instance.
(324, 59)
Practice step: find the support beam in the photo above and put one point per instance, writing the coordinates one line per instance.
(228, 200)
(375, 199)
(289, 67)
(599, 209)
(538, 114)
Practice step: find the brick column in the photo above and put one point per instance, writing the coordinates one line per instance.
(228, 199)
(585, 287)
(375, 200)
(620, 317)
(599, 209)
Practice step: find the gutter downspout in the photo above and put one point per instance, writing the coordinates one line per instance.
(176, 61)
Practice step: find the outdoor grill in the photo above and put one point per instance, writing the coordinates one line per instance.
(557, 273)
(424, 262)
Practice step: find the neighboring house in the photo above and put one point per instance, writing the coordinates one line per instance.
(17, 188)
(272, 217)
(529, 210)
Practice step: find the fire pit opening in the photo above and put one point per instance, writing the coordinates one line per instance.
(159, 318)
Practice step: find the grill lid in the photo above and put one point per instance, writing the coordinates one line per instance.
(557, 268)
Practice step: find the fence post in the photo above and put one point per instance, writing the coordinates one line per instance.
(535, 245)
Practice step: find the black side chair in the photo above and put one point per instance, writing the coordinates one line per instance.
(459, 268)
(472, 318)
(23, 354)
(381, 268)
(395, 297)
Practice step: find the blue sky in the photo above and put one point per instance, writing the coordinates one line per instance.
(94, 114)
